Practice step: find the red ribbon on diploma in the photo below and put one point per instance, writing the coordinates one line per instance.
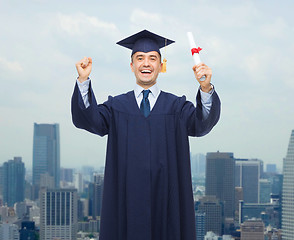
(196, 50)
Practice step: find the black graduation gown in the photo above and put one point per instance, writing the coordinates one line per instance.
(147, 182)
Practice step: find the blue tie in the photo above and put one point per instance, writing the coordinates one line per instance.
(145, 104)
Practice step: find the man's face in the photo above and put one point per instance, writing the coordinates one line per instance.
(146, 67)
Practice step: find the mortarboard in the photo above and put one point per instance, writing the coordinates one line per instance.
(145, 41)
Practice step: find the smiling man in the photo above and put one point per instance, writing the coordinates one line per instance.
(147, 183)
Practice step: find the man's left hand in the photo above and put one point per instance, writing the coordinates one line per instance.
(201, 70)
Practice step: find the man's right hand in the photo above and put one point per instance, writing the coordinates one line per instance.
(84, 68)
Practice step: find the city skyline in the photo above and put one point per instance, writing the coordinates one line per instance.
(249, 46)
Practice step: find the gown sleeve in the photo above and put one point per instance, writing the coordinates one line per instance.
(196, 124)
(95, 118)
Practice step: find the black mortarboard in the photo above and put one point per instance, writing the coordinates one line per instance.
(145, 41)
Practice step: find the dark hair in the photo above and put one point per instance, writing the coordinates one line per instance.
(134, 53)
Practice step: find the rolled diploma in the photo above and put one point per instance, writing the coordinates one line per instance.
(196, 56)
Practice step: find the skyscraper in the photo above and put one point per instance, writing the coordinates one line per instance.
(277, 184)
(46, 153)
(58, 214)
(1, 182)
(200, 224)
(220, 179)
(247, 175)
(95, 196)
(211, 211)
(198, 162)
(238, 198)
(66, 174)
(265, 191)
(78, 182)
(13, 181)
(288, 192)
(271, 168)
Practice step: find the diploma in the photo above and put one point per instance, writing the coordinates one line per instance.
(195, 51)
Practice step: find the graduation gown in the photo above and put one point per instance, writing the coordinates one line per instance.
(147, 182)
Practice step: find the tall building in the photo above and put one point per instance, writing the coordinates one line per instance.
(78, 182)
(87, 172)
(58, 214)
(220, 179)
(1, 183)
(213, 210)
(46, 153)
(252, 229)
(288, 192)
(198, 163)
(66, 174)
(13, 181)
(271, 168)
(47, 181)
(200, 218)
(247, 175)
(95, 196)
(265, 191)
(277, 183)
(238, 198)
(81, 209)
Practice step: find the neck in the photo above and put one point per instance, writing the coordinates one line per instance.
(146, 86)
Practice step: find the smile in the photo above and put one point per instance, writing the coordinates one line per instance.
(146, 71)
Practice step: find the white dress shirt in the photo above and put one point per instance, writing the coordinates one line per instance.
(153, 95)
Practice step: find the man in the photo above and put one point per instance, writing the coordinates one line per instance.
(147, 183)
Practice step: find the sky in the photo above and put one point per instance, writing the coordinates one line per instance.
(248, 44)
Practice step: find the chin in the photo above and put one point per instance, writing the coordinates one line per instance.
(146, 83)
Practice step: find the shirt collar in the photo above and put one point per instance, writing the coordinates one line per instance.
(154, 90)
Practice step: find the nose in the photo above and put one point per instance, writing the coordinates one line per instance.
(146, 62)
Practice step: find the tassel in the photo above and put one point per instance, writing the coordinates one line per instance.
(163, 68)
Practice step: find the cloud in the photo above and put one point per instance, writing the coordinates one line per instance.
(258, 66)
(11, 66)
(277, 29)
(140, 16)
(81, 24)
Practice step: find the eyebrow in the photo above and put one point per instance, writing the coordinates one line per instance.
(141, 55)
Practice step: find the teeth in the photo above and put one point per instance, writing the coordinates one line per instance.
(146, 71)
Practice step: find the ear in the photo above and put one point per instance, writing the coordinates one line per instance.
(131, 64)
